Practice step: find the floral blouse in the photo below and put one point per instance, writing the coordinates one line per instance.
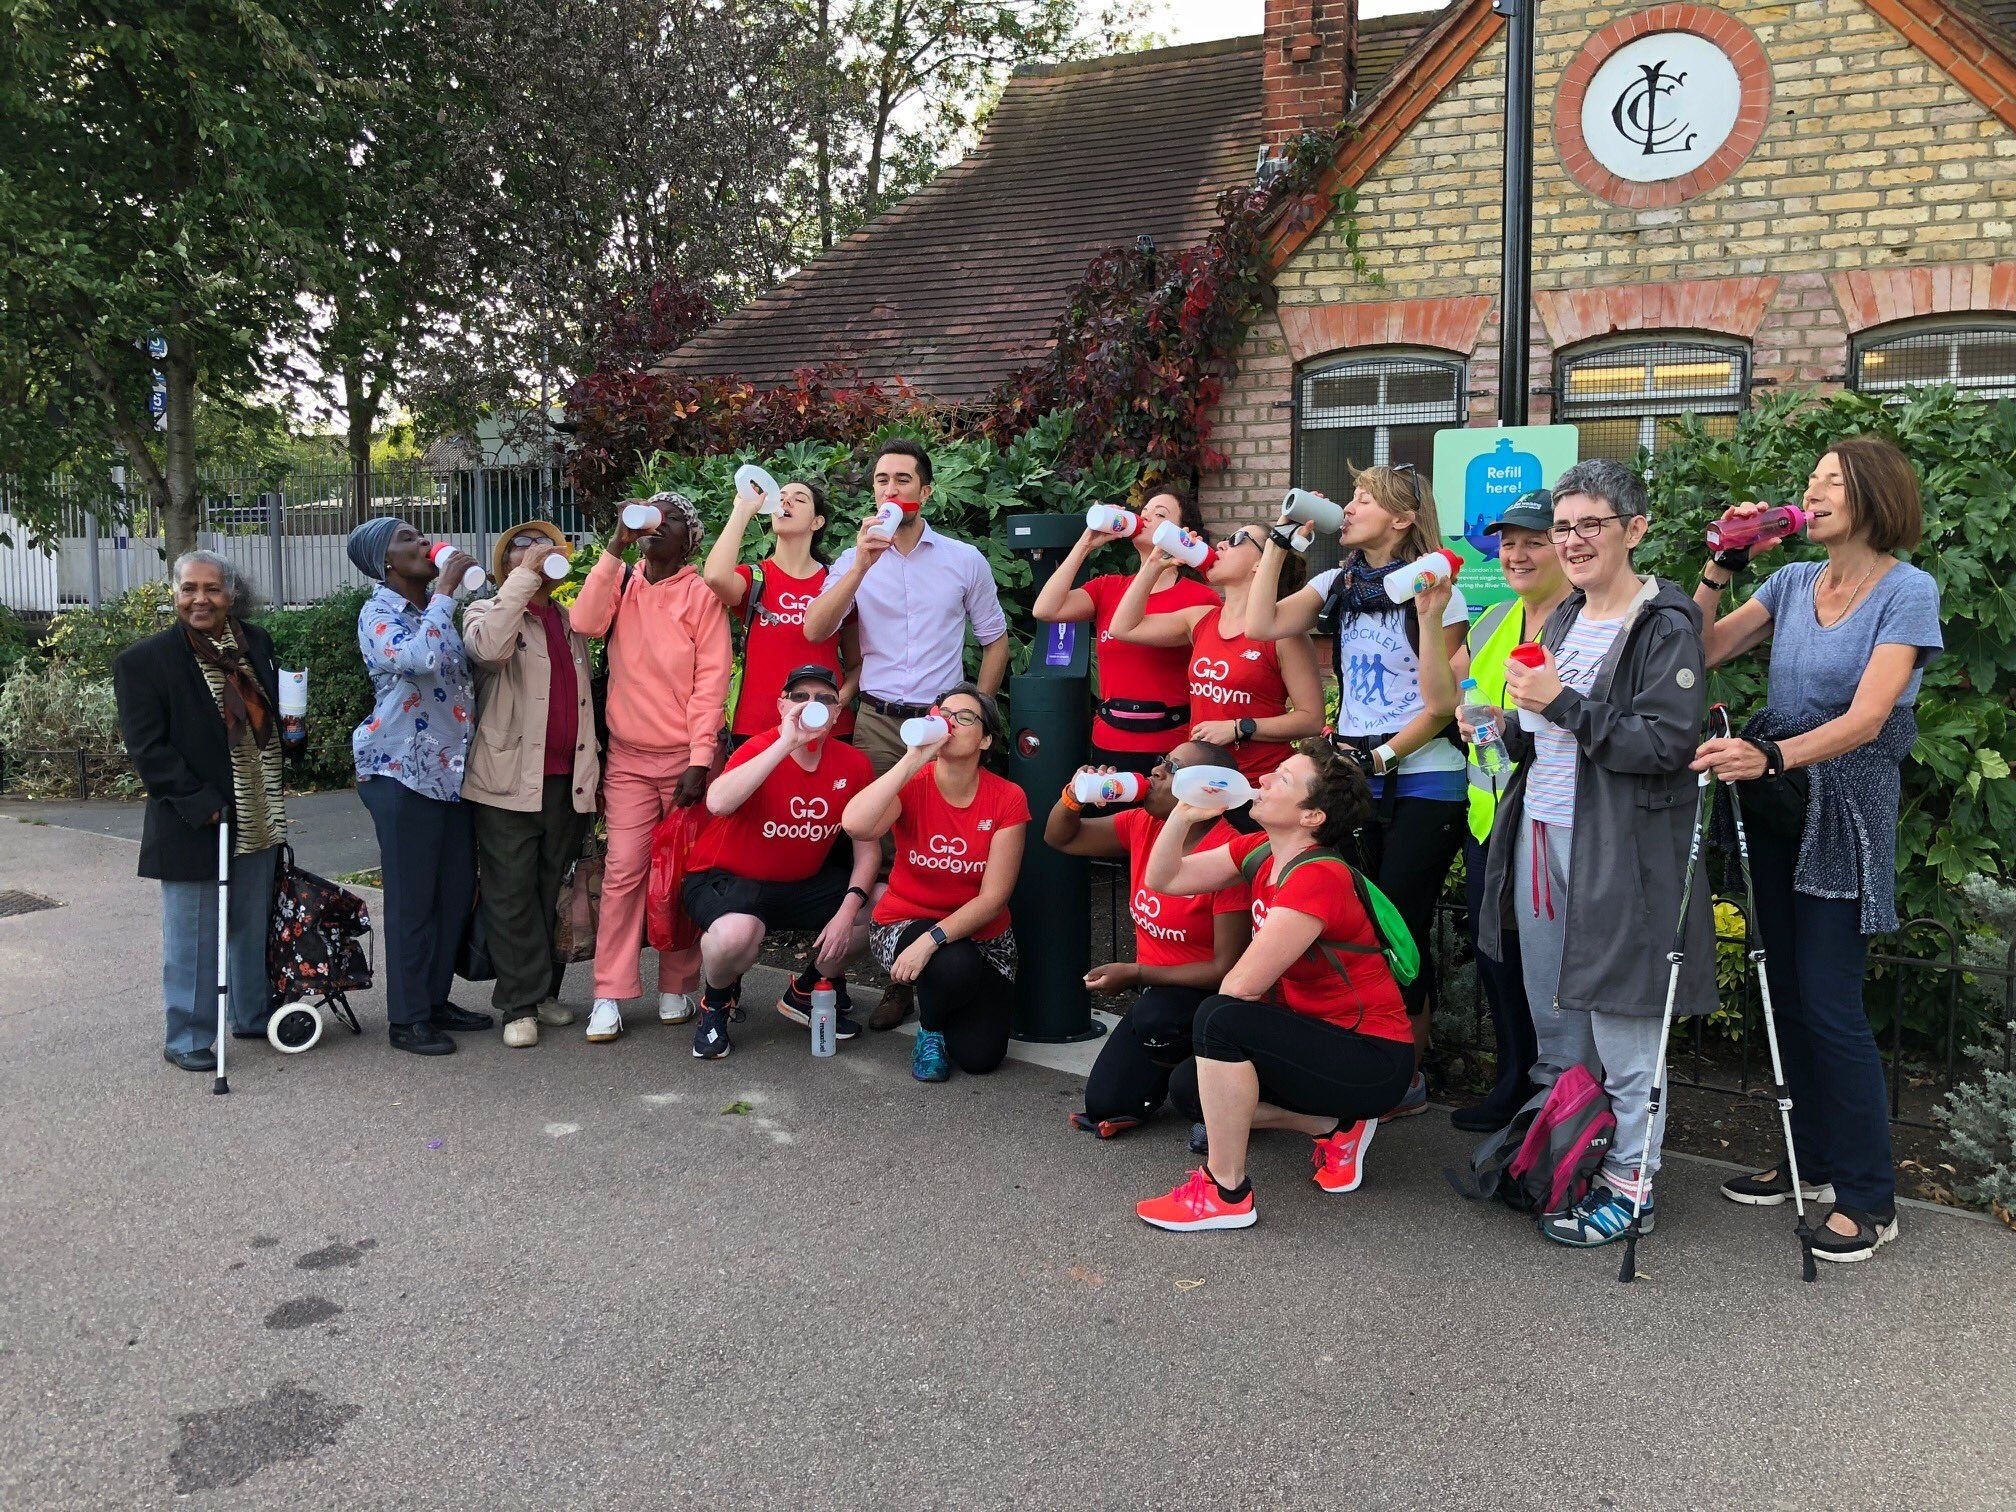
(423, 701)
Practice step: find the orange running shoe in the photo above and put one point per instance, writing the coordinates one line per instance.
(1340, 1157)
(1196, 1205)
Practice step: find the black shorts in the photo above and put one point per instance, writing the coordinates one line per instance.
(808, 905)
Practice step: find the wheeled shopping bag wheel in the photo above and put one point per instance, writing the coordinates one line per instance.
(294, 1028)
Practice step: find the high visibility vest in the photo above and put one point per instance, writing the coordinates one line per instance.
(1492, 637)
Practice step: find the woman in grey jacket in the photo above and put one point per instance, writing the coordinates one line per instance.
(1589, 849)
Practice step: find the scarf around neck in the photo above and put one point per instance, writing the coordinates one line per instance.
(245, 705)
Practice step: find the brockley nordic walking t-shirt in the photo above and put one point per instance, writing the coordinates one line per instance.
(1148, 674)
(941, 851)
(785, 830)
(775, 646)
(1550, 785)
(1379, 691)
(1170, 930)
(1237, 677)
(1364, 997)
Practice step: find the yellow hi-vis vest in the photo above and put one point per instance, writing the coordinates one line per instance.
(1497, 631)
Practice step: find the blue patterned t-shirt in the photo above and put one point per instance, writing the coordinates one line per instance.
(423, 703)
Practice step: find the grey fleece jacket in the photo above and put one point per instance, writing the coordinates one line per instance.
(1635, 733)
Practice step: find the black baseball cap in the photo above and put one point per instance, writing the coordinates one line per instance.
(813, 672)
(1532, 510)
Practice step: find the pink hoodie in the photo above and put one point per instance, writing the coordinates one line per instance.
(669, 657)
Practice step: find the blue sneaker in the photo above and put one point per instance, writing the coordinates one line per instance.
(1414, 1101)
(929, 1062)
(1598, 1219)
(1200, 1140)
(710, 1040)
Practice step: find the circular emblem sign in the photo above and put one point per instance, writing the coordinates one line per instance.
(1652, 113)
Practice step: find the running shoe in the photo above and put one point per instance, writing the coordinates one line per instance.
(676, 1008)
(605, 1021)
(710, 1040)
(797, 1007)
(1340, 1155)
(1598, 1219)
(1416, 1101)
(1773, 1187)
(929, 1062)
(1195, 1204)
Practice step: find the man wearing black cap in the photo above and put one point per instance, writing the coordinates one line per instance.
(768, 860)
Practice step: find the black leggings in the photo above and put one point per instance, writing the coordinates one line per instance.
(963, 998)
(1409, 855)
(1131, 1077)
(1305, 1065)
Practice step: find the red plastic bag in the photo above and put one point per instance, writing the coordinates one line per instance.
(665, 923)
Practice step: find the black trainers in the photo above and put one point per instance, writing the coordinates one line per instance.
(1772, 1188)
(1200, 1141)
(797, 1007)
(1872, 1232)
(461, 1020)
(710, 1040)
(420, 1039)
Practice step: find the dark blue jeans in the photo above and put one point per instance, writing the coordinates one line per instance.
(1504, 984)
(427, 848)
(1840, 1106)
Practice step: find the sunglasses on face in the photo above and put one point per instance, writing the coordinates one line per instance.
(1588, 529)
(1242, 538)
(1169, 764)
(803, 695)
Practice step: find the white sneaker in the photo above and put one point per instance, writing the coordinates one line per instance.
(522, 1033)
(676, 1008)
(605, 1021)
(554, 1016)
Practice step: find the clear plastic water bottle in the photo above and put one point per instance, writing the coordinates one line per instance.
(1485, 734)
(825, 1017)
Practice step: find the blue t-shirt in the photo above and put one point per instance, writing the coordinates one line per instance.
(1815, 671)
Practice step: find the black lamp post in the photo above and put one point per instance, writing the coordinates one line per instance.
(1515, 277)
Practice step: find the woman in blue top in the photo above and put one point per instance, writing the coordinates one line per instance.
(1850, 638)
(409, 756)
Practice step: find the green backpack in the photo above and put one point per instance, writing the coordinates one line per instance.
(1396, 941)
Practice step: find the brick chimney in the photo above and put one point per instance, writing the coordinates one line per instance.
(1310, 65)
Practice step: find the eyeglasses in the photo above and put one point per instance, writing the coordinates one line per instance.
(1170, 765)
(806, 696)
(1588, 529)
(964, 718)
(525, 543)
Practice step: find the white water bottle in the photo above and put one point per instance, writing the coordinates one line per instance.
(922, 730)
(1212, 787)
(1107, 787)
(472, 579)
(1436, 567)
(1192, 551)
(813, 715)
(1305, 507)
(825, 1017)
(1111, 519)
(639, 515)
(1484, 731)
(756, 483)
(887, 519)
(555, 566)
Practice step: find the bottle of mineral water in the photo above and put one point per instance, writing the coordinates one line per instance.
(825, 1017)
(1484, 734)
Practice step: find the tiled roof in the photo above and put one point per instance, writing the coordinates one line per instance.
(961, 283)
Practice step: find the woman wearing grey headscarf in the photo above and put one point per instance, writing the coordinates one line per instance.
(409, 756)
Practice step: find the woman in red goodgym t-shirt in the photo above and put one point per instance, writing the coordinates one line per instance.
(1255, 697)
(1144, 691)
(1300, 1036)
(942, 921)
(774, 642)
(1183, 946)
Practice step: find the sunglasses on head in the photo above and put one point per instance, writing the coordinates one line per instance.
(1412, 474)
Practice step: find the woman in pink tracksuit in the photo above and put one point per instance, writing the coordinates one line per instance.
(668, 652)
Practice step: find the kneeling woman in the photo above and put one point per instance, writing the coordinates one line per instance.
(1308, 1031)
(1182, 946)
(942, 923)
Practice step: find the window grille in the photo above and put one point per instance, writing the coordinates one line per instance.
(1979, 360)
(1617, 396)
(1371, 412)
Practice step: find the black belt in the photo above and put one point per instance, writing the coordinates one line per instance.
(894, 710)
(1141, 716)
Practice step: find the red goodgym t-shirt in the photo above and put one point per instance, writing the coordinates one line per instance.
(1151, 674)
(1237, 677)
(941, 851)
(785, 831)
(775, 646)
(1170, 930)
(1366, 999)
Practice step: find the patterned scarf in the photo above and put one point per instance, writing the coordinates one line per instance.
(1362, 589)
(245, 705)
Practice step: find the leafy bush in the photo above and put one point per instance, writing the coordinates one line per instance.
(87, 641)
(323, 639)
(1980, 1120)
(48, 715)
(17, 641)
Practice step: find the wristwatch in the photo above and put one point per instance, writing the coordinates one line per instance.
(1247, 728)
(937, 933)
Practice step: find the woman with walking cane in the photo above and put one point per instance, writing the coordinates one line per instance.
(1818, 773)
(1595, 844)
(199, 712)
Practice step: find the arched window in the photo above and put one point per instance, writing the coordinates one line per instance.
(1977, 356)
(1370, 410)
(1617, 394)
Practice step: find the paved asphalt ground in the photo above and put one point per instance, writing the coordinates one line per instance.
(569, 1278)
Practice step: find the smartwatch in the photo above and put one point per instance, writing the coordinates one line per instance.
(937, 933)
(1247, 728)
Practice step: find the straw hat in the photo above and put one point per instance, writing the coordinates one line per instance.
(502, 549)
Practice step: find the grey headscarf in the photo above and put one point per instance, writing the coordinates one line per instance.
(368, 544)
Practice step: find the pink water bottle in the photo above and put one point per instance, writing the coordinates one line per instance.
(1111, 519)
(1745, 531)
(1192, 551)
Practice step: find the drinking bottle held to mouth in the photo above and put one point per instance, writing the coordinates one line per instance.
(639, 515)
(472, 579)
(1107, 787)
(1191, 550)
(924, 729)
(887, 519)
(1745, 531)
(1111, 519)
(1212, 787)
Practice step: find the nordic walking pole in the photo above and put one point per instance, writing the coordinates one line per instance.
(220, 1086)
(1677, 957)
(1753, 940)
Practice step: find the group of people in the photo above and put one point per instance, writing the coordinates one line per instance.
(1265, 994)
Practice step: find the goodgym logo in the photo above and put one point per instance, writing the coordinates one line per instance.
(947, 853)
(1208, 670)
(812, 819)
(808, 808)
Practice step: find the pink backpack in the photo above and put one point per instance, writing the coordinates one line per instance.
(1564, 1146)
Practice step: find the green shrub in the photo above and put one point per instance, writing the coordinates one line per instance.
(1980, 1120)
(86, 641)
(323, 639)
(49, 714)
(17, 641)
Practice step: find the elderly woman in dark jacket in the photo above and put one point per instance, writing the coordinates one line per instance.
(198, 707)
(1589, 850)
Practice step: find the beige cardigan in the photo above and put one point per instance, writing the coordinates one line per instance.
(507, 757)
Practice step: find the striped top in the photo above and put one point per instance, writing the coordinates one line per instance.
(256, 797)
(1550, 784)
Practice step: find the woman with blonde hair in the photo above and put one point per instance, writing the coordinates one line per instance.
(1394, 705)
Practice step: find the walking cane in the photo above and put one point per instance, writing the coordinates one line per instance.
(1677, 957)
(220, 1086)
(1753, 940)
